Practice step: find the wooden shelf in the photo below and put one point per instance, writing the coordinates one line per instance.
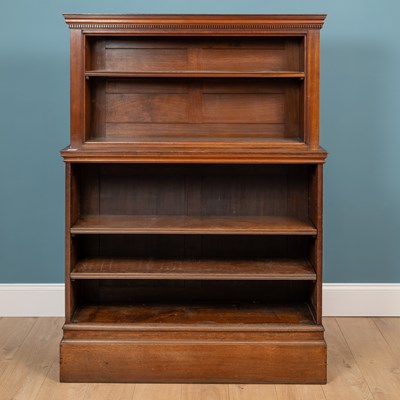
(107, 152)
(210, 269)
(197, 313)
(172, 224)
(195, 74)
(199, 141)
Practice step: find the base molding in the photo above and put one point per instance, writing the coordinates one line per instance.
(362, 299)
(204, 361)
(32, 300)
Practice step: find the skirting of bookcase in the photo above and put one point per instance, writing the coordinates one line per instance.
(203, 361)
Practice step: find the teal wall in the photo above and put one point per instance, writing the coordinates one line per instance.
(360, 120)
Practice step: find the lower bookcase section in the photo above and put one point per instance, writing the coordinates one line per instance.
(228, 360)
(199, 273)
(138, 330)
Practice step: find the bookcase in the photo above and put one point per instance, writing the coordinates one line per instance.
(194, 200)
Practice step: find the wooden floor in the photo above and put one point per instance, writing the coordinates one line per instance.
(363, 363)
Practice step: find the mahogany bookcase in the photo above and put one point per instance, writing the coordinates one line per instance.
(194, 200)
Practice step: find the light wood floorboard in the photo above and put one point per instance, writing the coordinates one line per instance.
(363, 364)
(252, 392)
(300, 392)
(13, 332)
(144, 391)
(344, 376)
(376, 360)
(390, 330)
(23, 377)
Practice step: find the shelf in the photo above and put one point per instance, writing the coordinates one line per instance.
(210, 269)
(197, 313)
(206, 140)
(195, 74)
(107, 152)
(172, 224)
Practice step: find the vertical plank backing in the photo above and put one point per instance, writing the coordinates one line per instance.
(293, 111)
(295, 62)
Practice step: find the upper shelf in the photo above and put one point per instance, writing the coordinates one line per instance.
(196, 74)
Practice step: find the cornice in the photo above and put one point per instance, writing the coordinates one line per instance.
(195, 22)
(261, 27)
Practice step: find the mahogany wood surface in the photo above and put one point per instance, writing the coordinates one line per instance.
(142, 268)
(268, 152)
(120, 224)
(201, 362)
(193, 74)
(194, 313)
(194, 200)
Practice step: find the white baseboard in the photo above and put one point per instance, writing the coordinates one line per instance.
(344, 300)
(361, 300)
(32, 300)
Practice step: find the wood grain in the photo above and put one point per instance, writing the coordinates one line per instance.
(242, 54)
(110, 392)
(299, 392)
(199, 313)
(23, 380)
(194, 74)
(157, 392)
(139, 268)
(241, 109)
(376, 360)
(390, 330)
(190, 256)
(205, 391)
(191, 362)
(51, 388)
(343, 383)
(222, 152)
(252, 392)
(13, 332)
(137, 224)
(346, 381)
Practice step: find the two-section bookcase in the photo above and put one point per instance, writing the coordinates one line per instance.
(194, 200)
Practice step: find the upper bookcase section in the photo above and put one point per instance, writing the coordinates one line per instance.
(195, 88)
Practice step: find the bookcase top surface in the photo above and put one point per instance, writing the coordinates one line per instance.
(254, 22)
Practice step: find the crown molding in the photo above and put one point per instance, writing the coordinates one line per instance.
(195, 23)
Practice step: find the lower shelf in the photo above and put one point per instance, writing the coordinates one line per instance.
(194, 342)
(201, 268)
(196, 313)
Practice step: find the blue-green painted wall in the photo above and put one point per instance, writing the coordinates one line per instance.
(360, 126)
